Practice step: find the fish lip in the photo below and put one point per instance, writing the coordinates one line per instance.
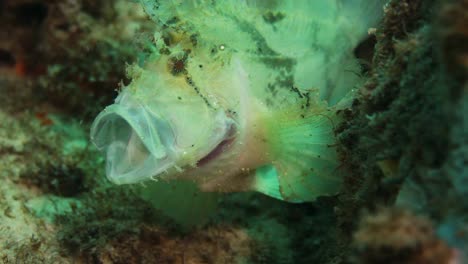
(220, 148)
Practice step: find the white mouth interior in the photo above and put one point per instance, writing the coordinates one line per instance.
(133, 147)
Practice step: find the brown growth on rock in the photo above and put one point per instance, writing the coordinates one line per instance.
(397, 236)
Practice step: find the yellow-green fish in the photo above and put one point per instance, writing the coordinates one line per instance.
(238, 95)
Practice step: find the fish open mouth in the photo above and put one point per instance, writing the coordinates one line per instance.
(222, 147)
(134, 141)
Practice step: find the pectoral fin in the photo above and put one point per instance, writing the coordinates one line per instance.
(303, 156)
(266, 181)
(181, 200)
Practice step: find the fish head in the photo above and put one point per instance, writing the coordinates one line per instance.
(162, 124)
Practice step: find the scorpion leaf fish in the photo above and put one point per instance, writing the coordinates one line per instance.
(237, 95)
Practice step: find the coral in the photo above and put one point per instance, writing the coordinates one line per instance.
(398, 236)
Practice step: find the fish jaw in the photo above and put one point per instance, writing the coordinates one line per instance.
(231, 169)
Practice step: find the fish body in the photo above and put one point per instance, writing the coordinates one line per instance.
(238, 96)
